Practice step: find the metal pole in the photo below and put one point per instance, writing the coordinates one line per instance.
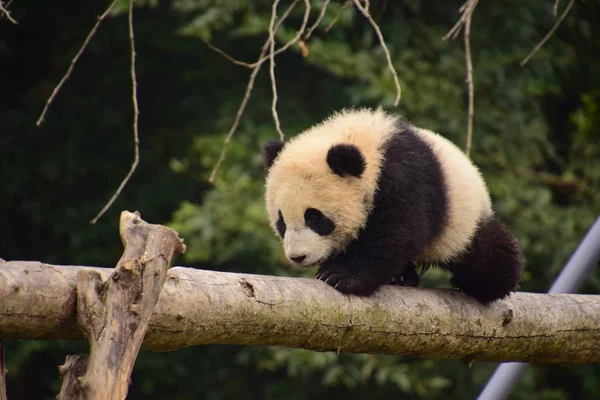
(570, 279)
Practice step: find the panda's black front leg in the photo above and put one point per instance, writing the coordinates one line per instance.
(408, 277)
(347, 279)
(362, 276)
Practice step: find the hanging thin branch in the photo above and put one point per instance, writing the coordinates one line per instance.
(278, 51)
(227, 56)
(74, 61)
(256, 68)
(555, 8)
(465, 19)
(550, 33)
(272, 69)
(310, 30)
(136, 113)
(337, 16)
(365, 12)
(4, 12)
(295, 39)
(470, 85)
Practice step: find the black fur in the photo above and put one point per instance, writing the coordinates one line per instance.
(409, 277)
(271, 150)
(491, 268)
(280, 224)
(318, 222)
(409, 211)
(346, 159)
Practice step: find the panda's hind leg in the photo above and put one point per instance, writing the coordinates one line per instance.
(491, 268)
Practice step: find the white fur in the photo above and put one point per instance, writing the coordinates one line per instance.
(300, 178)
(467, 196)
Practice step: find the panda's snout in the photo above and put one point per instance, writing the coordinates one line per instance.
(298, 259)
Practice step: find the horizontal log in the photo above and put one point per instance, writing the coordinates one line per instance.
(197, 307)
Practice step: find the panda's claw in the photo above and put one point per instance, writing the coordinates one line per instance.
(346, 281)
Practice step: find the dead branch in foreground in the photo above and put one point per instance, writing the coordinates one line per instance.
(113, 313)
(198, 307)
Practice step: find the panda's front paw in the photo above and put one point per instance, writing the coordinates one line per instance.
(408, 277)
(346, 281)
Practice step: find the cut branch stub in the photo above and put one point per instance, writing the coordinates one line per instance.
(114, 314)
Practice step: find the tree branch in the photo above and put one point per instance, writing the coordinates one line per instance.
(337, 16)
(310, 30)
(272, 69)
(74, 61)
(467, 10)
(255, 69)
(367, 15)
(70, 374)
(4, 12)
(550, 33)
(38, 302)
(136, 114)
(469, 65)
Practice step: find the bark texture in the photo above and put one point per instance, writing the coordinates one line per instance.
(205, 307)
(70, 374)
(114, 313)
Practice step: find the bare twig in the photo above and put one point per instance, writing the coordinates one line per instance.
(281, 49)
(555, 8)
(227, 56)
(549, 34)
(469, 65)
(238, 116)
(365, 12)
(74, 61)
(272, 69)
(295, 39)
(310, 30)
(6, 13)
(466, 9)
(136, 113)
(337, 16)
(465, 19)
(247, 94)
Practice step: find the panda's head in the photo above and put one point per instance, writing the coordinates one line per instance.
(316, 195)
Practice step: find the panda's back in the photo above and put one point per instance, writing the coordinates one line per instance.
(467, 199)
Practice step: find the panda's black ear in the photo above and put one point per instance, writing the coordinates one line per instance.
(270, 151)
(346, 159)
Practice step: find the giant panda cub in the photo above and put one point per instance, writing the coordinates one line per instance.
(366, 196)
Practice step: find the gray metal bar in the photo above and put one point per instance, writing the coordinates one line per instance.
(570, 279)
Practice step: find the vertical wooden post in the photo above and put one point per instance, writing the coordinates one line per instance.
(114, 314)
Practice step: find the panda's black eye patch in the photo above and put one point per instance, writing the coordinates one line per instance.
(280, 224)
(318, 222)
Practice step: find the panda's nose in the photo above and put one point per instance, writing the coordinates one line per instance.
(298, 259)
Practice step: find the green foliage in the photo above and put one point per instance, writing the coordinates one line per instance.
(537, 140)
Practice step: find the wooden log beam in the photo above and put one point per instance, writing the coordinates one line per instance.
(199, 307)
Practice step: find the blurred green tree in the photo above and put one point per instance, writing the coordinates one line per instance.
(536, 138)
